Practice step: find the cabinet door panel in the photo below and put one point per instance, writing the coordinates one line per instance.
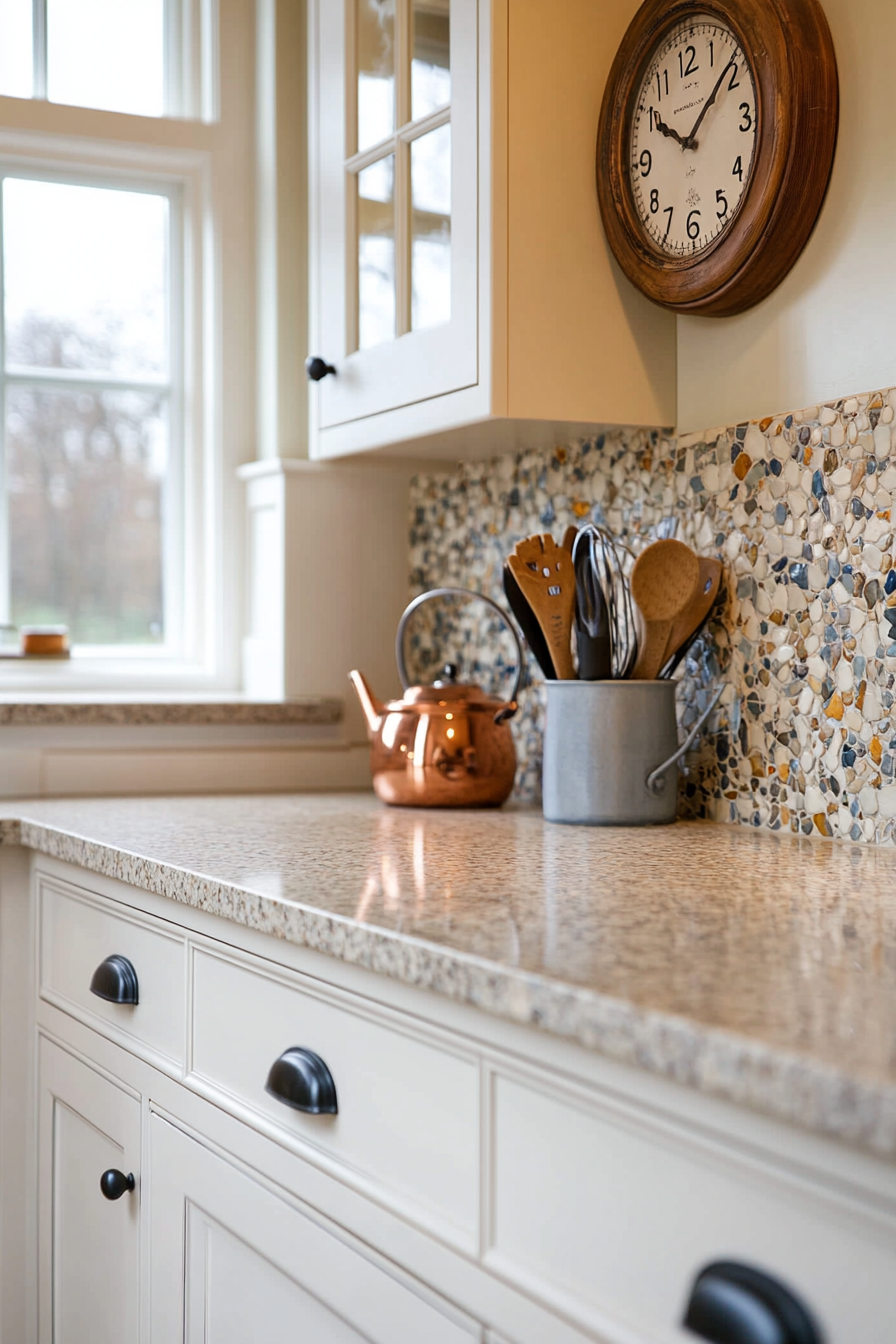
(257, 1269)
(89, 1245)
(235, 1295)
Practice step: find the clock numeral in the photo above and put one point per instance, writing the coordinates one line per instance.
(691, 65)
(712, 54)
(668, 211)
(721, 200)
(654, 201)
(738, 169)
(646, 162)
(747, 123)
(693, 226)
(734, 82)
(659, 90)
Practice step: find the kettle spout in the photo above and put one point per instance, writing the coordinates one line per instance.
(373, 708)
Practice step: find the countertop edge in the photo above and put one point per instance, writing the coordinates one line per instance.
(769, 1080)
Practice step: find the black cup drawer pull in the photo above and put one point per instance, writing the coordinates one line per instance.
(114, 1183)
(735, 1304)
(116, 980)
(300, 1079)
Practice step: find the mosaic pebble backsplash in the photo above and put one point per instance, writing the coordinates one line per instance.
(800, 510)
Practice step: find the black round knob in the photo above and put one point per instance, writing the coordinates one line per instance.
(317, 368)
(301, 1079)
(114, 1183)
(736, 1304)
(115, 980)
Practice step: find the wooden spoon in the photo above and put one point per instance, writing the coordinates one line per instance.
(545, 575)
(665, 580)
(695, 613)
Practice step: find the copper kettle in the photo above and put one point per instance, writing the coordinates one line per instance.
(445, 745)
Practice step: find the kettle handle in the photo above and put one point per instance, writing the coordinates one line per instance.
(458, 592)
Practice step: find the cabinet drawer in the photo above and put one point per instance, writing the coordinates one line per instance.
(77, 933)
(408, 1108)
(603, 1210)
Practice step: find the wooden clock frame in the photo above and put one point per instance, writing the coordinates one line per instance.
(789, 48)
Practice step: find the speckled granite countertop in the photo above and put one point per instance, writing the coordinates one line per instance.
(756, 967)
(34, 711)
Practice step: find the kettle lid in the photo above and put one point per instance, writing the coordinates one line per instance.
(446, 689)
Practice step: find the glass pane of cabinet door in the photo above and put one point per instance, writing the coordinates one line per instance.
(395, 214)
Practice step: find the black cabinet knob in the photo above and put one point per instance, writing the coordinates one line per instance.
(300, 1079)
(116, 980)
(114, 1183)
(317, 368)
(735, 1304)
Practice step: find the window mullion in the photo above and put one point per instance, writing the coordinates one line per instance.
(39, 30)
(177, 102)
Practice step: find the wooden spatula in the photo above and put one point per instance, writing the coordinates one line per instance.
(665, 580)
(527, 622)
(546, 578)
(694, 614)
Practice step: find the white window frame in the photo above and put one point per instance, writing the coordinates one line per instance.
(205, 166)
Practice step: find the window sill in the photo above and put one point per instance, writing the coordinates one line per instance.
(36, 710)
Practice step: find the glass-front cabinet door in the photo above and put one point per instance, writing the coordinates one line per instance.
(394, 212)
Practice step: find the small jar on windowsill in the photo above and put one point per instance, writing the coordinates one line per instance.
(34, 641)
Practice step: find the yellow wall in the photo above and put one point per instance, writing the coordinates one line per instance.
(830, 329)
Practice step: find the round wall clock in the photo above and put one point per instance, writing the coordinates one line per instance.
(715, 148)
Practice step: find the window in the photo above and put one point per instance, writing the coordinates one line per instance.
(87, 394)
(106, 54)
(124, 402)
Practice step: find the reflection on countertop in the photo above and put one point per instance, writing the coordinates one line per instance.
(753, 966)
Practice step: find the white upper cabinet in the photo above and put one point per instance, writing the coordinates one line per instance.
(461, 287)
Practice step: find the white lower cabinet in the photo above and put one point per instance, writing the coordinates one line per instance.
(474, 1183)
(89, 1245)
(231, 1262)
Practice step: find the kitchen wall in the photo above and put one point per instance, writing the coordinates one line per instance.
(828, 329)
(799, 506)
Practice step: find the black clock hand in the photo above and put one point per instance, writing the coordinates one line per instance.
(689, 142)
(668, 130)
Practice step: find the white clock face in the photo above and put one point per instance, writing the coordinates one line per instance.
(693, 137)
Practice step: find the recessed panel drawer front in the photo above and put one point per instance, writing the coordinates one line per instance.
(77, 934)
(408, 1109)
(607, 1212)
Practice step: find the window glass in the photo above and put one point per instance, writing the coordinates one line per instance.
(431, 229)
(431, 58)
(85, 480)
(85, 272)
(107, 54)
(376, 253)
(16, 49)
(376, 70)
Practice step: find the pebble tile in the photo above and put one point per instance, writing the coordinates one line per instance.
(799, 508)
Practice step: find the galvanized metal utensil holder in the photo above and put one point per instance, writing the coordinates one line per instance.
(611, 752)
